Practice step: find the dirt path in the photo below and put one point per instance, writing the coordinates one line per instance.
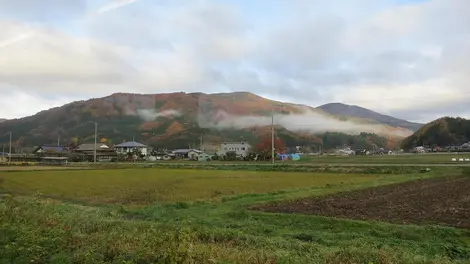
(444, 201)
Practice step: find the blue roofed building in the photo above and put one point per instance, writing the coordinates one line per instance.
(131, 147)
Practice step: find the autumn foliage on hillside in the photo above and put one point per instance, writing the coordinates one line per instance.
(120, 118)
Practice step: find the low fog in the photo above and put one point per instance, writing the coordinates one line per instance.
(307, 122)
(151, 114)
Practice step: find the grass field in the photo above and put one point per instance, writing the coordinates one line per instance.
(147, 186)
(387, 159)
(197, 216)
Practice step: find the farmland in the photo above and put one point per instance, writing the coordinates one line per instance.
(161, 215)
(443, 201)
(440, 158)
(147, 186)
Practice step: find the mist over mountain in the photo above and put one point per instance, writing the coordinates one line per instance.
(180, 119)
(360, 112)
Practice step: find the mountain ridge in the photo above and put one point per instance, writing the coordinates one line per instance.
(171, 119)
(441, 132)
(361, 112)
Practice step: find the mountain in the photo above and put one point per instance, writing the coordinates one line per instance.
(441, 132)
(360, 112)
(178, 120)
(2, 120)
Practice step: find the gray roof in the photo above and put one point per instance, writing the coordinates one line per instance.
(184, 151)
(85, 147)
(130, 144)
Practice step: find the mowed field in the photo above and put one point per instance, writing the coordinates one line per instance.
(389, 159)
(156, 215)
(147, 186)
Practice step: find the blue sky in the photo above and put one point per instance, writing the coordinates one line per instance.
(409, 59)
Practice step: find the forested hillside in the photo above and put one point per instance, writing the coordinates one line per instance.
(441, 132)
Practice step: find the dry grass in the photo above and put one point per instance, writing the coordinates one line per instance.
(146, 186)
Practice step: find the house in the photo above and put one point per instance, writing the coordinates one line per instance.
(240, 148)
(103, 152)
(465, 146)
(160, 156)
(131, 147)
(46, 150)
(204, 157)
(187, 153)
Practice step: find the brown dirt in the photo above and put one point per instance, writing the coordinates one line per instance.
(444, 201)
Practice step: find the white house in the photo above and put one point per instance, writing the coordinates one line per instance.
(130, 147)
(240, 148)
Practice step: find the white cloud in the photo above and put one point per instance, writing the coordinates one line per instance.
(16, 103)
(308, 121)
(393, 58)
(152, 114)
(114, 4)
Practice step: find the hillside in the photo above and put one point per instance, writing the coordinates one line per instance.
(441, 132)
(360, 112)
(177, 120)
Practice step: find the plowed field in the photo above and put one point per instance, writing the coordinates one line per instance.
(444, 201)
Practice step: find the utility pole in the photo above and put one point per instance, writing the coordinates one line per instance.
(272, 135)
(96, 134)
(9, 153)
(201, 148)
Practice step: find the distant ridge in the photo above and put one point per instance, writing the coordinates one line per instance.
(360, 112)
(442, 132)
(178, 120)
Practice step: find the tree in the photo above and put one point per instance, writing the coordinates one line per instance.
(231, 155)
(264, 147)
(73, 142)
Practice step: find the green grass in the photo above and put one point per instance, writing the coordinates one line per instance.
(387, 159)
(148, 186)
(41, 230)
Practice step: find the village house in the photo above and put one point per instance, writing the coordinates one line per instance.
(131, 147)
(51, 151)
(241, 149)
(103, 152)
(191, 154)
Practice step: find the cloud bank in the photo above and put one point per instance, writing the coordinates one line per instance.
(151, 114)
(408, 59)
(309, 121)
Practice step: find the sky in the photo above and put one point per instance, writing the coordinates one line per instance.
(409, 59)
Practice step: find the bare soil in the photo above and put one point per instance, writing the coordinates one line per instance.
(443, 201)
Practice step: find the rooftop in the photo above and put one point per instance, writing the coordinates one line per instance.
(91, 146)
(130, 144)
(47, 148)
(183, 151)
